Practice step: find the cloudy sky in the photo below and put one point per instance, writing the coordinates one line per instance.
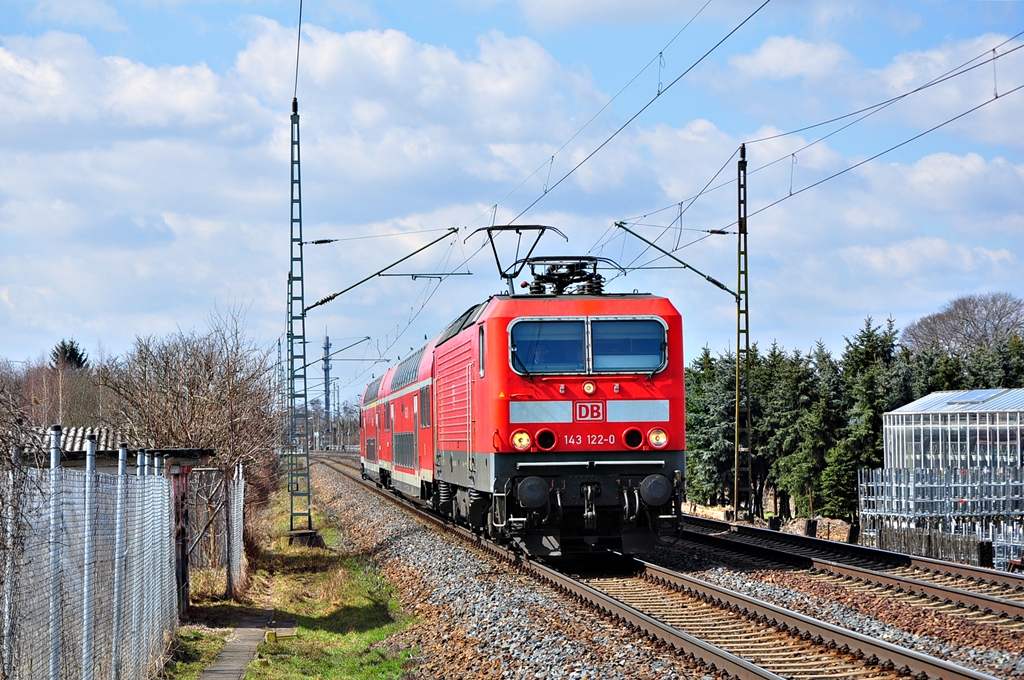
(144, 177)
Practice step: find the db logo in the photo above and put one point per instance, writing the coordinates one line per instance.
(588, 410)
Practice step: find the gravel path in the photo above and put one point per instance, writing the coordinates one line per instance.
(477, 617)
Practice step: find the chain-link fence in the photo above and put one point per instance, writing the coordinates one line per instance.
(215, 501)
(88, 580)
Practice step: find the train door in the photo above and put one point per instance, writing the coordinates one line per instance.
(416, 430)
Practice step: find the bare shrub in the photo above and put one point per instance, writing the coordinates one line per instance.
(214, 390)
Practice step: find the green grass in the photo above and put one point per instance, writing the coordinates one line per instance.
(344, 608)
(197, 648)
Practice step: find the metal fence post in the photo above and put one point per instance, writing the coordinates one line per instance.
(228, 538)
(10, 527)
(89, 567)
(119, 560)
(55, 553)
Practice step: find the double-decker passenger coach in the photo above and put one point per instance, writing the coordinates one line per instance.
(554, 420)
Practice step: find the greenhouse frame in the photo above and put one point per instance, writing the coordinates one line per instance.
(979, 428)
(953, 467)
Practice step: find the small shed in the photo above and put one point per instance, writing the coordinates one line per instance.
(957, 429)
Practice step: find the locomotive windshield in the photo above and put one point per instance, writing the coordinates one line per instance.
(628, 345)
(548, 347)
(560, 346)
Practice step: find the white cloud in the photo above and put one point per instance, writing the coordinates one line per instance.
(908, 259)
(984, 198)
(997, 122)
(78, 13)
(781, 58)
(58, 77)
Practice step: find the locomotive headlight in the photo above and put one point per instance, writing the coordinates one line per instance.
(657, 437)
(589, 387)
(520, 440)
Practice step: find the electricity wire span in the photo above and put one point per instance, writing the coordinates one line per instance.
(450, 232)
(882, 153)
(994, 98)
(959, 70)
(642, 109)
(550, 161)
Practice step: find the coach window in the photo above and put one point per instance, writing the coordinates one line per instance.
(548, 347)
(480, 350)
(628, 345)
(425, 406)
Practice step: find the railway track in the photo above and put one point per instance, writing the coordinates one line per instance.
(725, 631)
(981, 595)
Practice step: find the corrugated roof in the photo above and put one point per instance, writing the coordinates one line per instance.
(73, 439)
(966, 401)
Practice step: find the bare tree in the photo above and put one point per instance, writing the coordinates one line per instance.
(966, 323)
(213, 390)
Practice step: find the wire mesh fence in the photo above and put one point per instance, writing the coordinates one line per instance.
(971, 515)
(88, 580)
(216, 501)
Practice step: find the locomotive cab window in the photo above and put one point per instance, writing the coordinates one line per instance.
(545, 346)
(627, 345)
(593, 345)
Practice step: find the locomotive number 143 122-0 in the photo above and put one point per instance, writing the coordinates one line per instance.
(590, 439)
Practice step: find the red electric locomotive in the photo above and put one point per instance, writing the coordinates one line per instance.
(554, 420)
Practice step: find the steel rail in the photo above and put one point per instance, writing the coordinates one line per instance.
(885, 654)
(1011, 608)
(967, 571)
(715, 658)
(975, 600)
(905, 661)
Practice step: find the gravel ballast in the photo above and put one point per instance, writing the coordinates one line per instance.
(477, 617)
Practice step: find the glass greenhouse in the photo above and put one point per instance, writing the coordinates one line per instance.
(953, 470)
(975, 429)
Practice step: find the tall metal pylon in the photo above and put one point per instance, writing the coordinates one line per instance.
(328, 430)
(297, 447)
(742, 477)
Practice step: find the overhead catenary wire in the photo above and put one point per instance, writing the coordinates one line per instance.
(867, 160)
(955, 72)
(549, 162)
(639, 112)
(890, 149)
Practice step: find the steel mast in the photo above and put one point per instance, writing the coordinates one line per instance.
(297, 447)
(742, 477)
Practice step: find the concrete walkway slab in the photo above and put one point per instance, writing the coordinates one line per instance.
(239, 649)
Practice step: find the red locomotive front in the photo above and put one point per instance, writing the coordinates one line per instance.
(558, 421)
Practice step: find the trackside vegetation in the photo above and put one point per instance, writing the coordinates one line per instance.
(339, 606)
(342, 606)
(817, 418)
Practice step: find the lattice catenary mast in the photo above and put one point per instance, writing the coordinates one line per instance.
(297, 446)
(743, 455)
